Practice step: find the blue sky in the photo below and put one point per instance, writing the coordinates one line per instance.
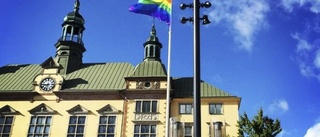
(266, 52)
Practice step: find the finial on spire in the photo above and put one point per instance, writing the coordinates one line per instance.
(153, 31)
(76, 6)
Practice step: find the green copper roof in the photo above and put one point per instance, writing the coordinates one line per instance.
(99, 76)
(18, 77)
(89, 76)
(149, 69)
(183, 88)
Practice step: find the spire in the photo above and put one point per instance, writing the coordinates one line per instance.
(70, 47)
(76, 6)
(152, 46)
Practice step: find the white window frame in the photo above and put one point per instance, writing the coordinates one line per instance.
(215, 109)
(43, 127)
(151, 106)
(149, 134)
(4, 125)
(185, 104)
(107, 124)
(77, 125)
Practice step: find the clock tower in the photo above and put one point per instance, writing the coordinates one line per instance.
(70, 47)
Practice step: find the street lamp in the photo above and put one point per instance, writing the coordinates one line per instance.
(196, 67)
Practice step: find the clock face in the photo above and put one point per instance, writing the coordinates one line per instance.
(47, 84)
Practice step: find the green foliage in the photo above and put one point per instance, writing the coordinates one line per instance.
(259, 126)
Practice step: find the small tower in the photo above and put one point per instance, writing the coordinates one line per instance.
(70, 47)
(152, 47)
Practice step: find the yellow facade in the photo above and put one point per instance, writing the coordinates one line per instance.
(59, 123)
(125, 120)
(229, 114)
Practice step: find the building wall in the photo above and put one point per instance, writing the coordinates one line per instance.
(229, 115)
(60, 120)
(158, 118)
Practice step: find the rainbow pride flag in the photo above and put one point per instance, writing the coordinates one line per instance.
(160, 9)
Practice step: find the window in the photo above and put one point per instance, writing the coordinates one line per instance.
(5, 125)
(185, 108)
(107, 126)
(145, 131)
(39, 126)
(217, 129)
(188, 131)
(76, 126)
(215, 108)
(146, 106)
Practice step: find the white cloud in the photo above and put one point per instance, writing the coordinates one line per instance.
(317, 59)
(302, 44)
(279, 105)
(308, 52)
(313, 5)
(245, 17)
(313, 131)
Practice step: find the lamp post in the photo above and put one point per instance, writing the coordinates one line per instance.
(196, 57)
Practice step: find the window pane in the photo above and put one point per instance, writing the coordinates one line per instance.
(138, 106)
(154, 106)
(72, 129)
(1, 126)
(1, 120)
(6, 129)
(182, 109)
(146, 106)
(153, 129)
(40, 120)
(80, 129)
(136, 128)
(103, 120)
(110, 135)
(79, 135)
(33, 120)
(144, 129)
(46, 129)
(8, 120)
(31, 129)
(73, 120)
(102, 129)
(39, 129)
(188, 109)
(111, 120)
(100, 135)
(48, 120)
(110, 129)
(219, 108)
(81, 120)
(188, 130)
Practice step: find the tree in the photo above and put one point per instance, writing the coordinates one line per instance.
(259, 126)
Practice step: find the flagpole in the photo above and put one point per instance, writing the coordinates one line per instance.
(168, 82)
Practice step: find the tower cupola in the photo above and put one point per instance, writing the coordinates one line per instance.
(70, 47)
(152, 46)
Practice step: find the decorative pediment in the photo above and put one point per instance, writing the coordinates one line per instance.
(108, 109)
(78, 109)
(50, 63)
(42, 109)
(7, 110)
